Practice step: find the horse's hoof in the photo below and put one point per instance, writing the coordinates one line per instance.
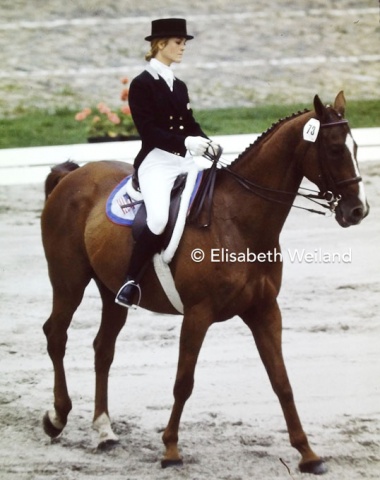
(165, 462)
(107, 445)
(49, 428)
(317, 467)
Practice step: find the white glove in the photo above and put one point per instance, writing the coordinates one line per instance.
(197, 145)
(213, 148)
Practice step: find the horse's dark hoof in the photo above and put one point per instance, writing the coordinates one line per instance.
(107, 445)
(317, 467)
(165, 463)
(49, 428)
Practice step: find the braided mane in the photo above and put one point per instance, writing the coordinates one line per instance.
(273, 127)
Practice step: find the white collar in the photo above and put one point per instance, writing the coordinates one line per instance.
(164, 71)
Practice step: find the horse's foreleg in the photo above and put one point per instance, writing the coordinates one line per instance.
(192, 335)
(113, 319)
(266, 328)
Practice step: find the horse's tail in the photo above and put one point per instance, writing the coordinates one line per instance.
(56, 175)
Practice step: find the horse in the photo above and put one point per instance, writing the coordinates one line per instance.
(251, 200)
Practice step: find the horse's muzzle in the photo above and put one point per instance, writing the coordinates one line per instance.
(350, 212)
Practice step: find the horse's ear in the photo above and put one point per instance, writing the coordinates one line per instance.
(319, 107)
(340, 103)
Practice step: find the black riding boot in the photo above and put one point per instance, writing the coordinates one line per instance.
(145, 247)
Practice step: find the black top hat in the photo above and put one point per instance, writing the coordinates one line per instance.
(168, 28)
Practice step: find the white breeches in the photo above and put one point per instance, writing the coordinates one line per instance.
(157, 174)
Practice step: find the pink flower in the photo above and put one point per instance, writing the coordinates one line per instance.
(126, 110)
(83, 114)
(79, 117)
(124, 94)
(103, 108)
(114, 118)
(104, 120)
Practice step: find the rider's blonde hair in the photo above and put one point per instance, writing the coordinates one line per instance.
(154, 47)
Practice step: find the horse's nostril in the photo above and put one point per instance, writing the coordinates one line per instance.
(357, 213)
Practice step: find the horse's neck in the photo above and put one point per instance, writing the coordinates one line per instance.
(272, 163)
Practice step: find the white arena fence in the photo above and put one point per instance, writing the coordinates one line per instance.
(32, 165)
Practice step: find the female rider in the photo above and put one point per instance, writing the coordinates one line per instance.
(169, 134)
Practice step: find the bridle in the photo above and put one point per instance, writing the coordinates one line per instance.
(329, 183)
(326, 194)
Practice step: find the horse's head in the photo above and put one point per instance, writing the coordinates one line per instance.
(336, 171)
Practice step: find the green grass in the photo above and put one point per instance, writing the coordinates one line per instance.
(38, 127)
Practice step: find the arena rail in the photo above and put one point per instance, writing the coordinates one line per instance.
(31, 165)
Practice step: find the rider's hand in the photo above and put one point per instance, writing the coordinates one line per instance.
(213, 148)
(197, 145)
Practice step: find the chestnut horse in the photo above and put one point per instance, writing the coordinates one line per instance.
(252, 198)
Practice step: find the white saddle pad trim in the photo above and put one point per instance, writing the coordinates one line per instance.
(167, 282)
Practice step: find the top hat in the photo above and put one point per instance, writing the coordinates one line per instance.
(169, 28)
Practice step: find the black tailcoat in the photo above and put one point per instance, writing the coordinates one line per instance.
(163, 117)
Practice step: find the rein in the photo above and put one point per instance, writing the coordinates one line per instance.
(206, 190)
(253, 187)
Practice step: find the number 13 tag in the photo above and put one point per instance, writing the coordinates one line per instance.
(311, 129)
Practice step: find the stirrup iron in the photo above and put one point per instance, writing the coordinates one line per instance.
(125, 304)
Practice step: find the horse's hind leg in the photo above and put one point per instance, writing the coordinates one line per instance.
(67, 295)
(266, 328)
(113, 319)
